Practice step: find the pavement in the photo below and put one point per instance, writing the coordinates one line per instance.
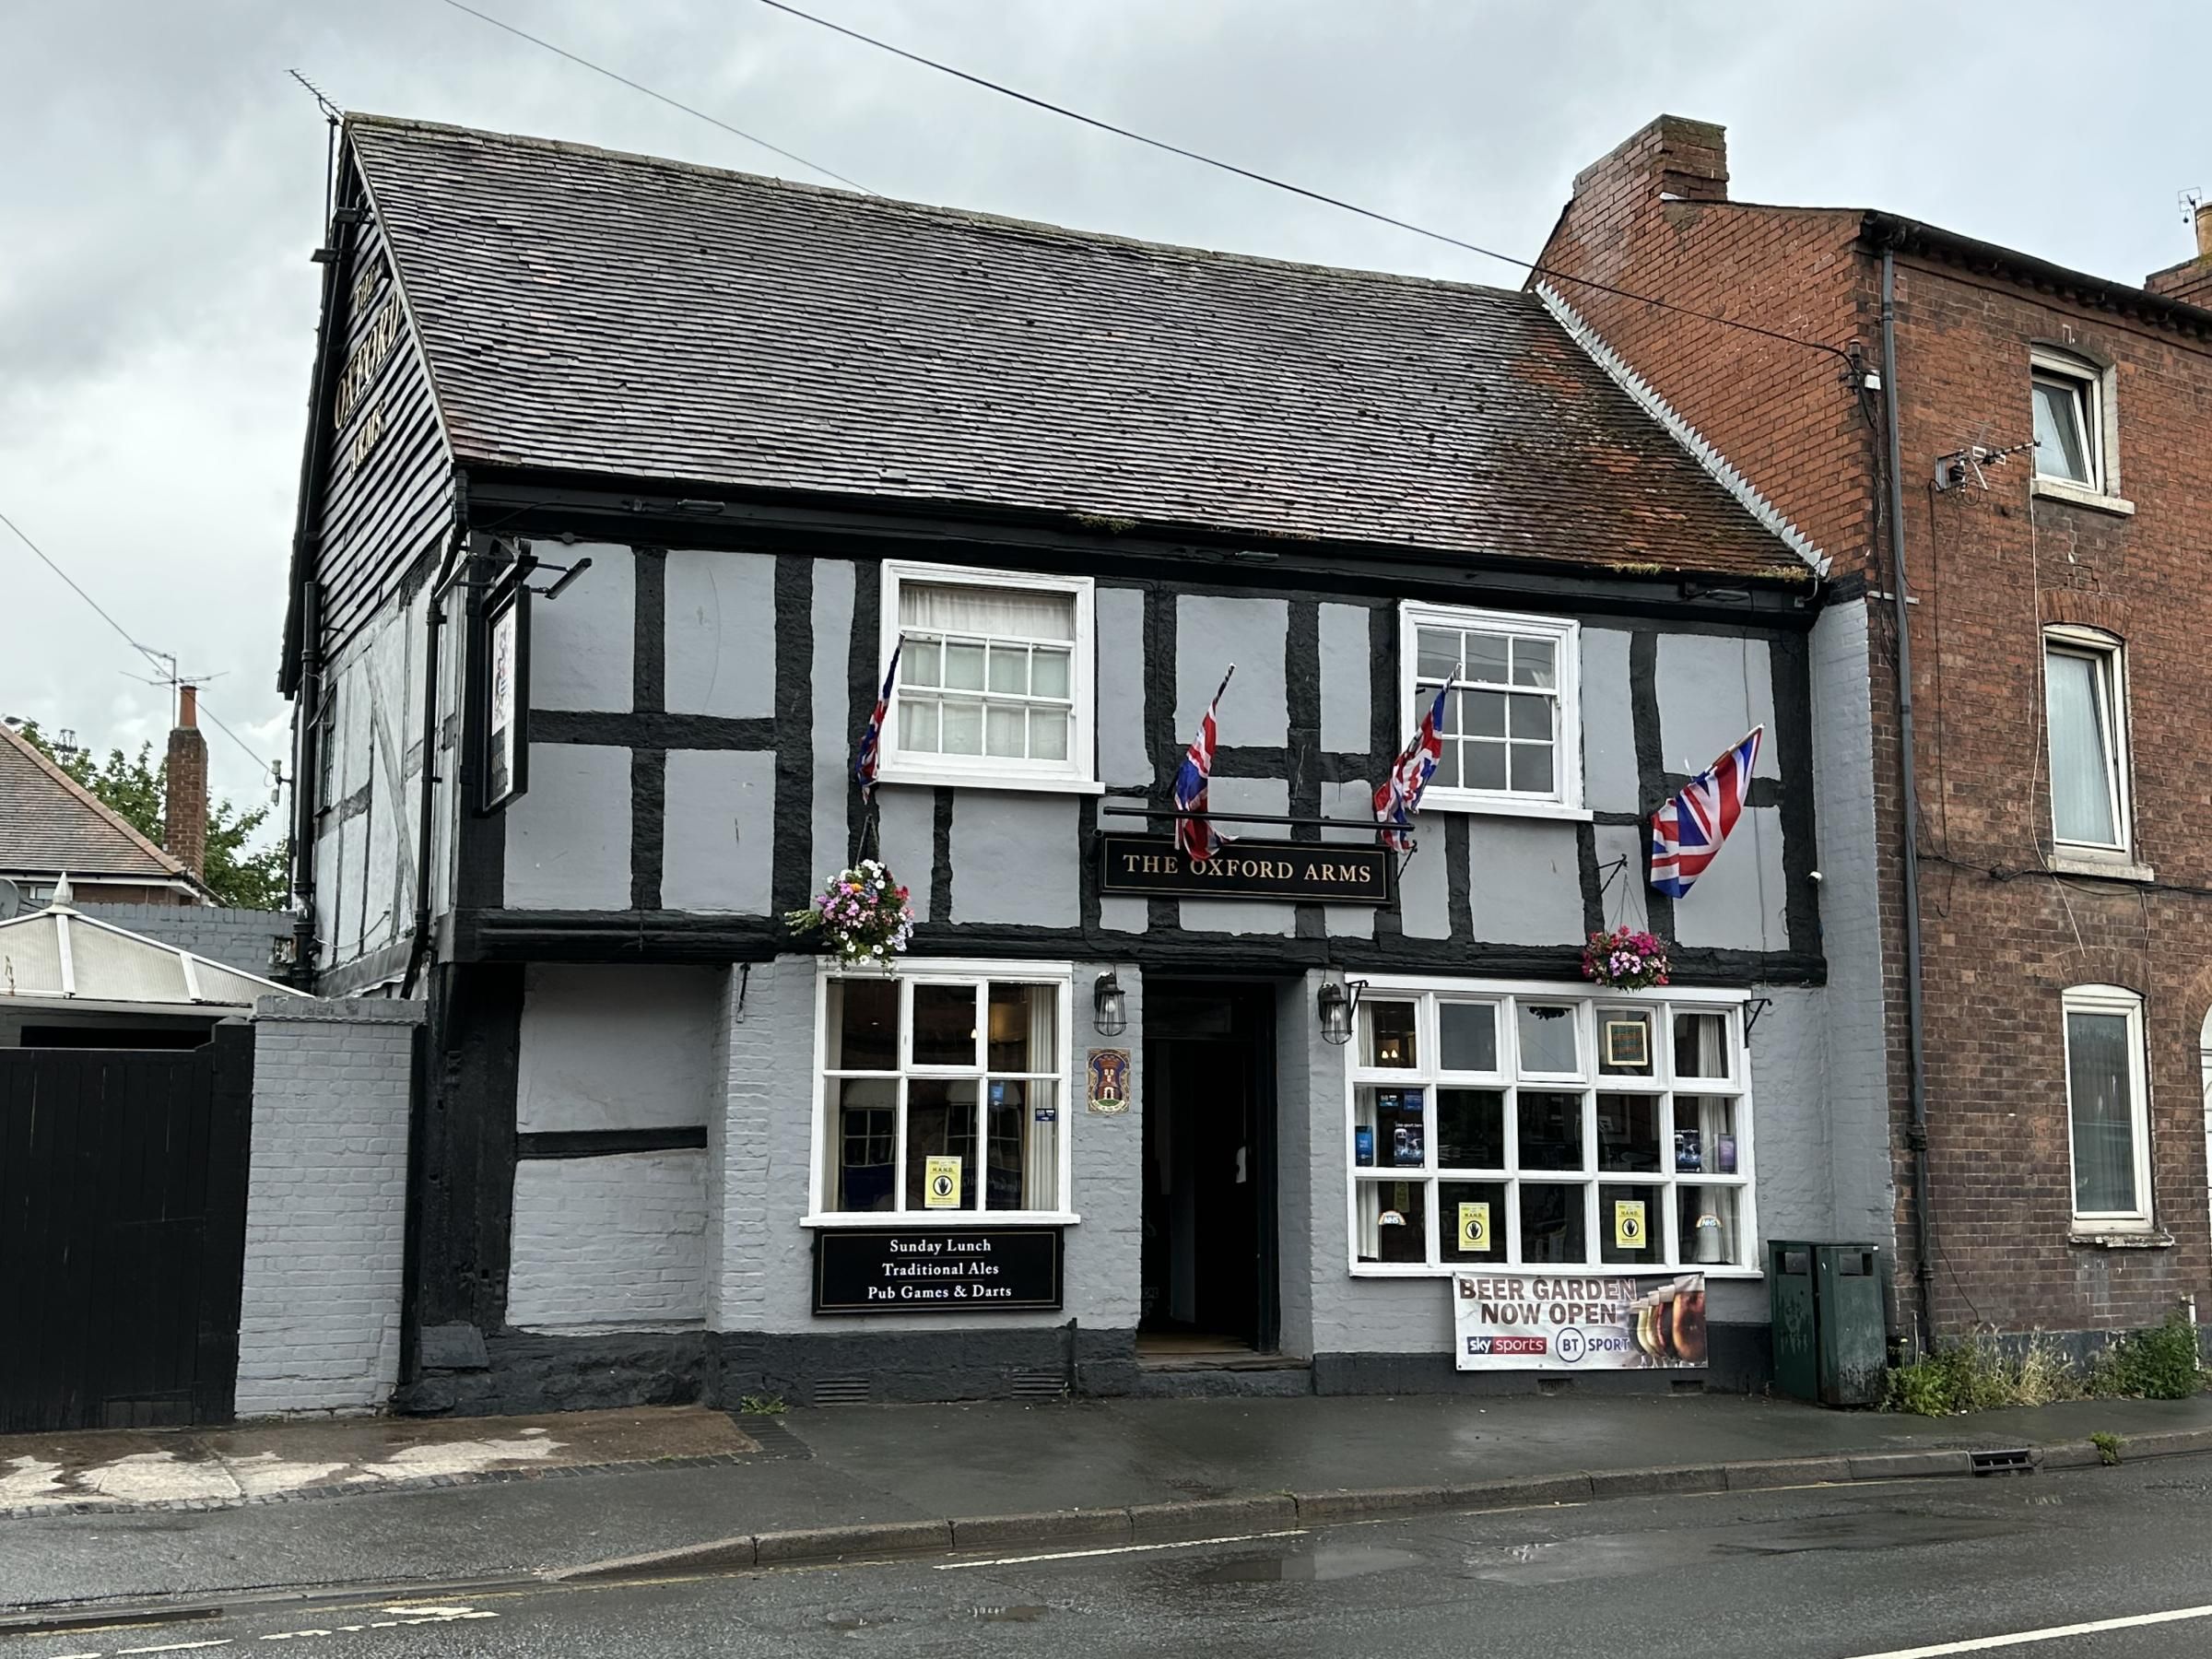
(663, 1492)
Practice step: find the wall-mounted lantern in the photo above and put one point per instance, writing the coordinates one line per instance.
(1339, 1001)
(1109, 1005)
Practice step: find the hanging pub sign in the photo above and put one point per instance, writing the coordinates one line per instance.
(935, 1269)
(1311, 871)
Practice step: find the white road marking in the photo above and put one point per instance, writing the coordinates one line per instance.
(1077, 1555)
(1982, 1645)
(177, 1647)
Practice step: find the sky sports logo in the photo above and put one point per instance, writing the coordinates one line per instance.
(1480, 1347)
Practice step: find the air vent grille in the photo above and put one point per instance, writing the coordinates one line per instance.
(1039, 1384)
(842, 1391)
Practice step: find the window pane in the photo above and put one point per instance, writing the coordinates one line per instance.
(1436, 653)
(2099, 1087)
(864, 1025)
(1484, 765)
(1551, 1130)
(1533, 662)
(1009, 1160)
(940, 1122)
(963, 665)
(1005, 731)
(920, 663)
(1047, 733)
(1010, 669)
(1394, 1222)
(2061, 451)
(1468, 1035)
(988, 609)
(1631, 1226)
(1482, 712)
(1551, 1224)
(1700, 1045)
(1049, 674)
(1386, 1033)
(1486, 658)
(1624, 1043)
(944, 1025)
(917, 726)
(963, 731)
(2081, 795)
(1628, 1132)
(1547, 1038)
(1470, 1129)
(1471, 1220)
(1705, 1141)
(1024, 1029)
(1529, 717)
(1707, 1218)
(864, 1123)
(1532, 768)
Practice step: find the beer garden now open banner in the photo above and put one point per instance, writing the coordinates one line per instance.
(1513, 1320)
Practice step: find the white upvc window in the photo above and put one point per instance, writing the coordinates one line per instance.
(1525, 1125)
(938, 1070)
(1512, 722)
(2085, 714)
(2107, 1109)
(2074, 409)
(995, 679)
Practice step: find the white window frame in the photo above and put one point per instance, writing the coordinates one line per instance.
(942, 971)
(1078, 774)
(2110, 656)
(2111, 1000)
(1590, 1082)
(1565, 801)
(2096, 387)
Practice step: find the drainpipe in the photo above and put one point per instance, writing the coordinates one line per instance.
(1916, 1136)
(427, 790)
(307, 778)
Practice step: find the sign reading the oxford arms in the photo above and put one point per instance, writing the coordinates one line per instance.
(1313, 872)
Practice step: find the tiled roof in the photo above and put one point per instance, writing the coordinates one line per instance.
(618, 314)
(51, 824)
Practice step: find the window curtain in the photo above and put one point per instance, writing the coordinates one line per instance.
(2081, 800)
(995, 612)
(1042, 1172)
(2100, 1086)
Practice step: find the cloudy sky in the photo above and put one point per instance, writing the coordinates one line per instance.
(164, 184)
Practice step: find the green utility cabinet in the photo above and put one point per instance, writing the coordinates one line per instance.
(1830, 1337)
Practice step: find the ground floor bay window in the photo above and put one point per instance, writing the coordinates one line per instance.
(940, 1093)
(1515, 1125)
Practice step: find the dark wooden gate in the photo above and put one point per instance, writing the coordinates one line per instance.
(123, 1217)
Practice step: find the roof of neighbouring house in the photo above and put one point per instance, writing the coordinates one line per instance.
(56, 958)
(51, 824)
(588, 311)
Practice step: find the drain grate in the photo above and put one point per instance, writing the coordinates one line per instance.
(1039, 1384)
(840, 1391)
(2011, 1460)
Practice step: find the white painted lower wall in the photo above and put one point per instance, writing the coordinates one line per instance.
(619, 1240)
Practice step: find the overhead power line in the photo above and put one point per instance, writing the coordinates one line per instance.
(661, 97)
(164, 667)
(1273, 183)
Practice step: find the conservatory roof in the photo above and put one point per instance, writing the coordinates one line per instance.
(56, 956)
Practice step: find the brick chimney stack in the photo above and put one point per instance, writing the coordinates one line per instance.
(1670, 157)
(2192, 279)
(185, 820)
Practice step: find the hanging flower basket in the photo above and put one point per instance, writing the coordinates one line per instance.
(1625, 960)
(862, 915)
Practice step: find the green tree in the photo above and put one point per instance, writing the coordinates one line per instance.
(138, 791)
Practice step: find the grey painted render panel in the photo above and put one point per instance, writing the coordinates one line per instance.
(1123, 915)
(1610, 779)
(1347, 679)
(1711, 690)
(1296, 1107)
(1268, 796)
(1425, 881)
(1798, 1166)
(1020, 854)
(1210, 634)
(906, 818)
(836, 738)
(1123, 760)
(583, 643)
(568, 837)
(718, 830)
(601, 1242)
(1350, 801)
(1738, 902)
(721, 634)
(1525, 880)
(617, 1048)
(1627, 892)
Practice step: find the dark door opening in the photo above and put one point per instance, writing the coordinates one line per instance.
(1209, 1275)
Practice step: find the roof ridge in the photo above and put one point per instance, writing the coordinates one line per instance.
(934, 211)
(85, 797)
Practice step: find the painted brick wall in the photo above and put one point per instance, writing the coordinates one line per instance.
(236, 938)
(609, 1242)
(325, 1206)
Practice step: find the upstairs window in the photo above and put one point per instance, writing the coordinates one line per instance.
(2072, 401)
(1512, 741)
(2085, 709)
(995, 677)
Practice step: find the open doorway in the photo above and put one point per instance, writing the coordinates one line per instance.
(1210, 1275)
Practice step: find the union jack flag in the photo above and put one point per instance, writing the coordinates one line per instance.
(1195, 832)
(1687, 831)
(1398, 796)
(871, 740)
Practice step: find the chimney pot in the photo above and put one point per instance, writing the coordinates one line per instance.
(188, 706)
(2204, 230)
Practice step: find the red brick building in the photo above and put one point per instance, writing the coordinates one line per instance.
(2053, 462)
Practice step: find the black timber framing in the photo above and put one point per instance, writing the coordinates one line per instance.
(463, 1209)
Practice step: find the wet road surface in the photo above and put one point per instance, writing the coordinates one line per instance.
(1927, 1568)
